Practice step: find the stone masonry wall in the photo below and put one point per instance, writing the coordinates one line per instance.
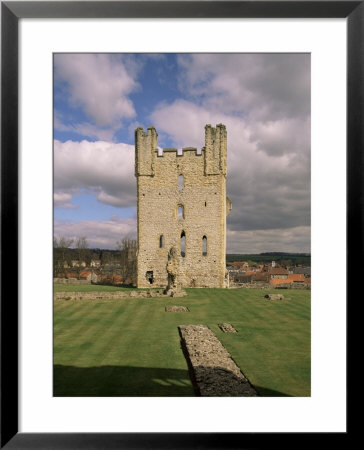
(203, 198)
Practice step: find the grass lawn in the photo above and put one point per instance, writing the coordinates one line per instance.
(131, 347)
(58, 287)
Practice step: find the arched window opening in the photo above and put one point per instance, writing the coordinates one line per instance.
(181, 182)
(183, 244)
(180, 212)
(161, 241)
(204, 246)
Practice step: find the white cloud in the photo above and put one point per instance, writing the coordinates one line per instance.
(63, 200)
(105, 168)
(99, 84)
(99, 234)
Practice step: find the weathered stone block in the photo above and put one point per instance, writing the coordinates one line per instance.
(176, 309)
(274, 296)
(227, 328)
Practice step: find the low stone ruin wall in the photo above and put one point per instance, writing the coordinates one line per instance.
(70, 281)
(213, 371)
(109, 295)
(264, 285)
(252, 285)
(293, 286)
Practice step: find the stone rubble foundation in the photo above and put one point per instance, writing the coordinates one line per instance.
(112, 295)
(227, 328)
(274, 297)
(177, 309)
(213, 371)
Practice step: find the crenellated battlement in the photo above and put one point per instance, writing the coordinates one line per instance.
(178, 152)
(213, 153)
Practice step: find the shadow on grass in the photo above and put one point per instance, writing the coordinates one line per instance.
(120, 381)
(265, 392)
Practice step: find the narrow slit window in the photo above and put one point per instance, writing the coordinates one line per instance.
(180, 212)
(183, 244)
(161, 241)
(204, 246)
(181, 182)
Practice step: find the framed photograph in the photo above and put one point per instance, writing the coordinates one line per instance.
(236, 61)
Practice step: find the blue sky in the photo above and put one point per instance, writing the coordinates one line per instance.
(263, 99)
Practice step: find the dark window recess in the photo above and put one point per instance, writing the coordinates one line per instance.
(183, 244)
(204, 246)
(161, 241)
(149, 276)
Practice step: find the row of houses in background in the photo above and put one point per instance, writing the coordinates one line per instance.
(93, 276)
(273, 275)
(119, 270)
(75, 263)
(122, 271)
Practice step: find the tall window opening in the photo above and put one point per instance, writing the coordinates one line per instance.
(183, 244)
(181, 182)
(161, 241)
(204, 246)
(180, 212)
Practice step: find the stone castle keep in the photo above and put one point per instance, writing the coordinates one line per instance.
(182, 209)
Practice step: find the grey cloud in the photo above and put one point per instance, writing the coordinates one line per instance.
(263, 86)
(297, 239)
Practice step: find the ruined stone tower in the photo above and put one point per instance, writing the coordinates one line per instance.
(182, 203)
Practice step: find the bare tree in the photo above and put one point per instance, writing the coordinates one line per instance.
(60, 253)
(83, 253)
(127, 248)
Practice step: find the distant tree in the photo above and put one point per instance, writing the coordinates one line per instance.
(105, 258)
(127, 248)
(286, 262)
(252, 263)
(83, 253)
(61, 254)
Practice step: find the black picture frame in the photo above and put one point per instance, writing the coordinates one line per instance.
(11, 12)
